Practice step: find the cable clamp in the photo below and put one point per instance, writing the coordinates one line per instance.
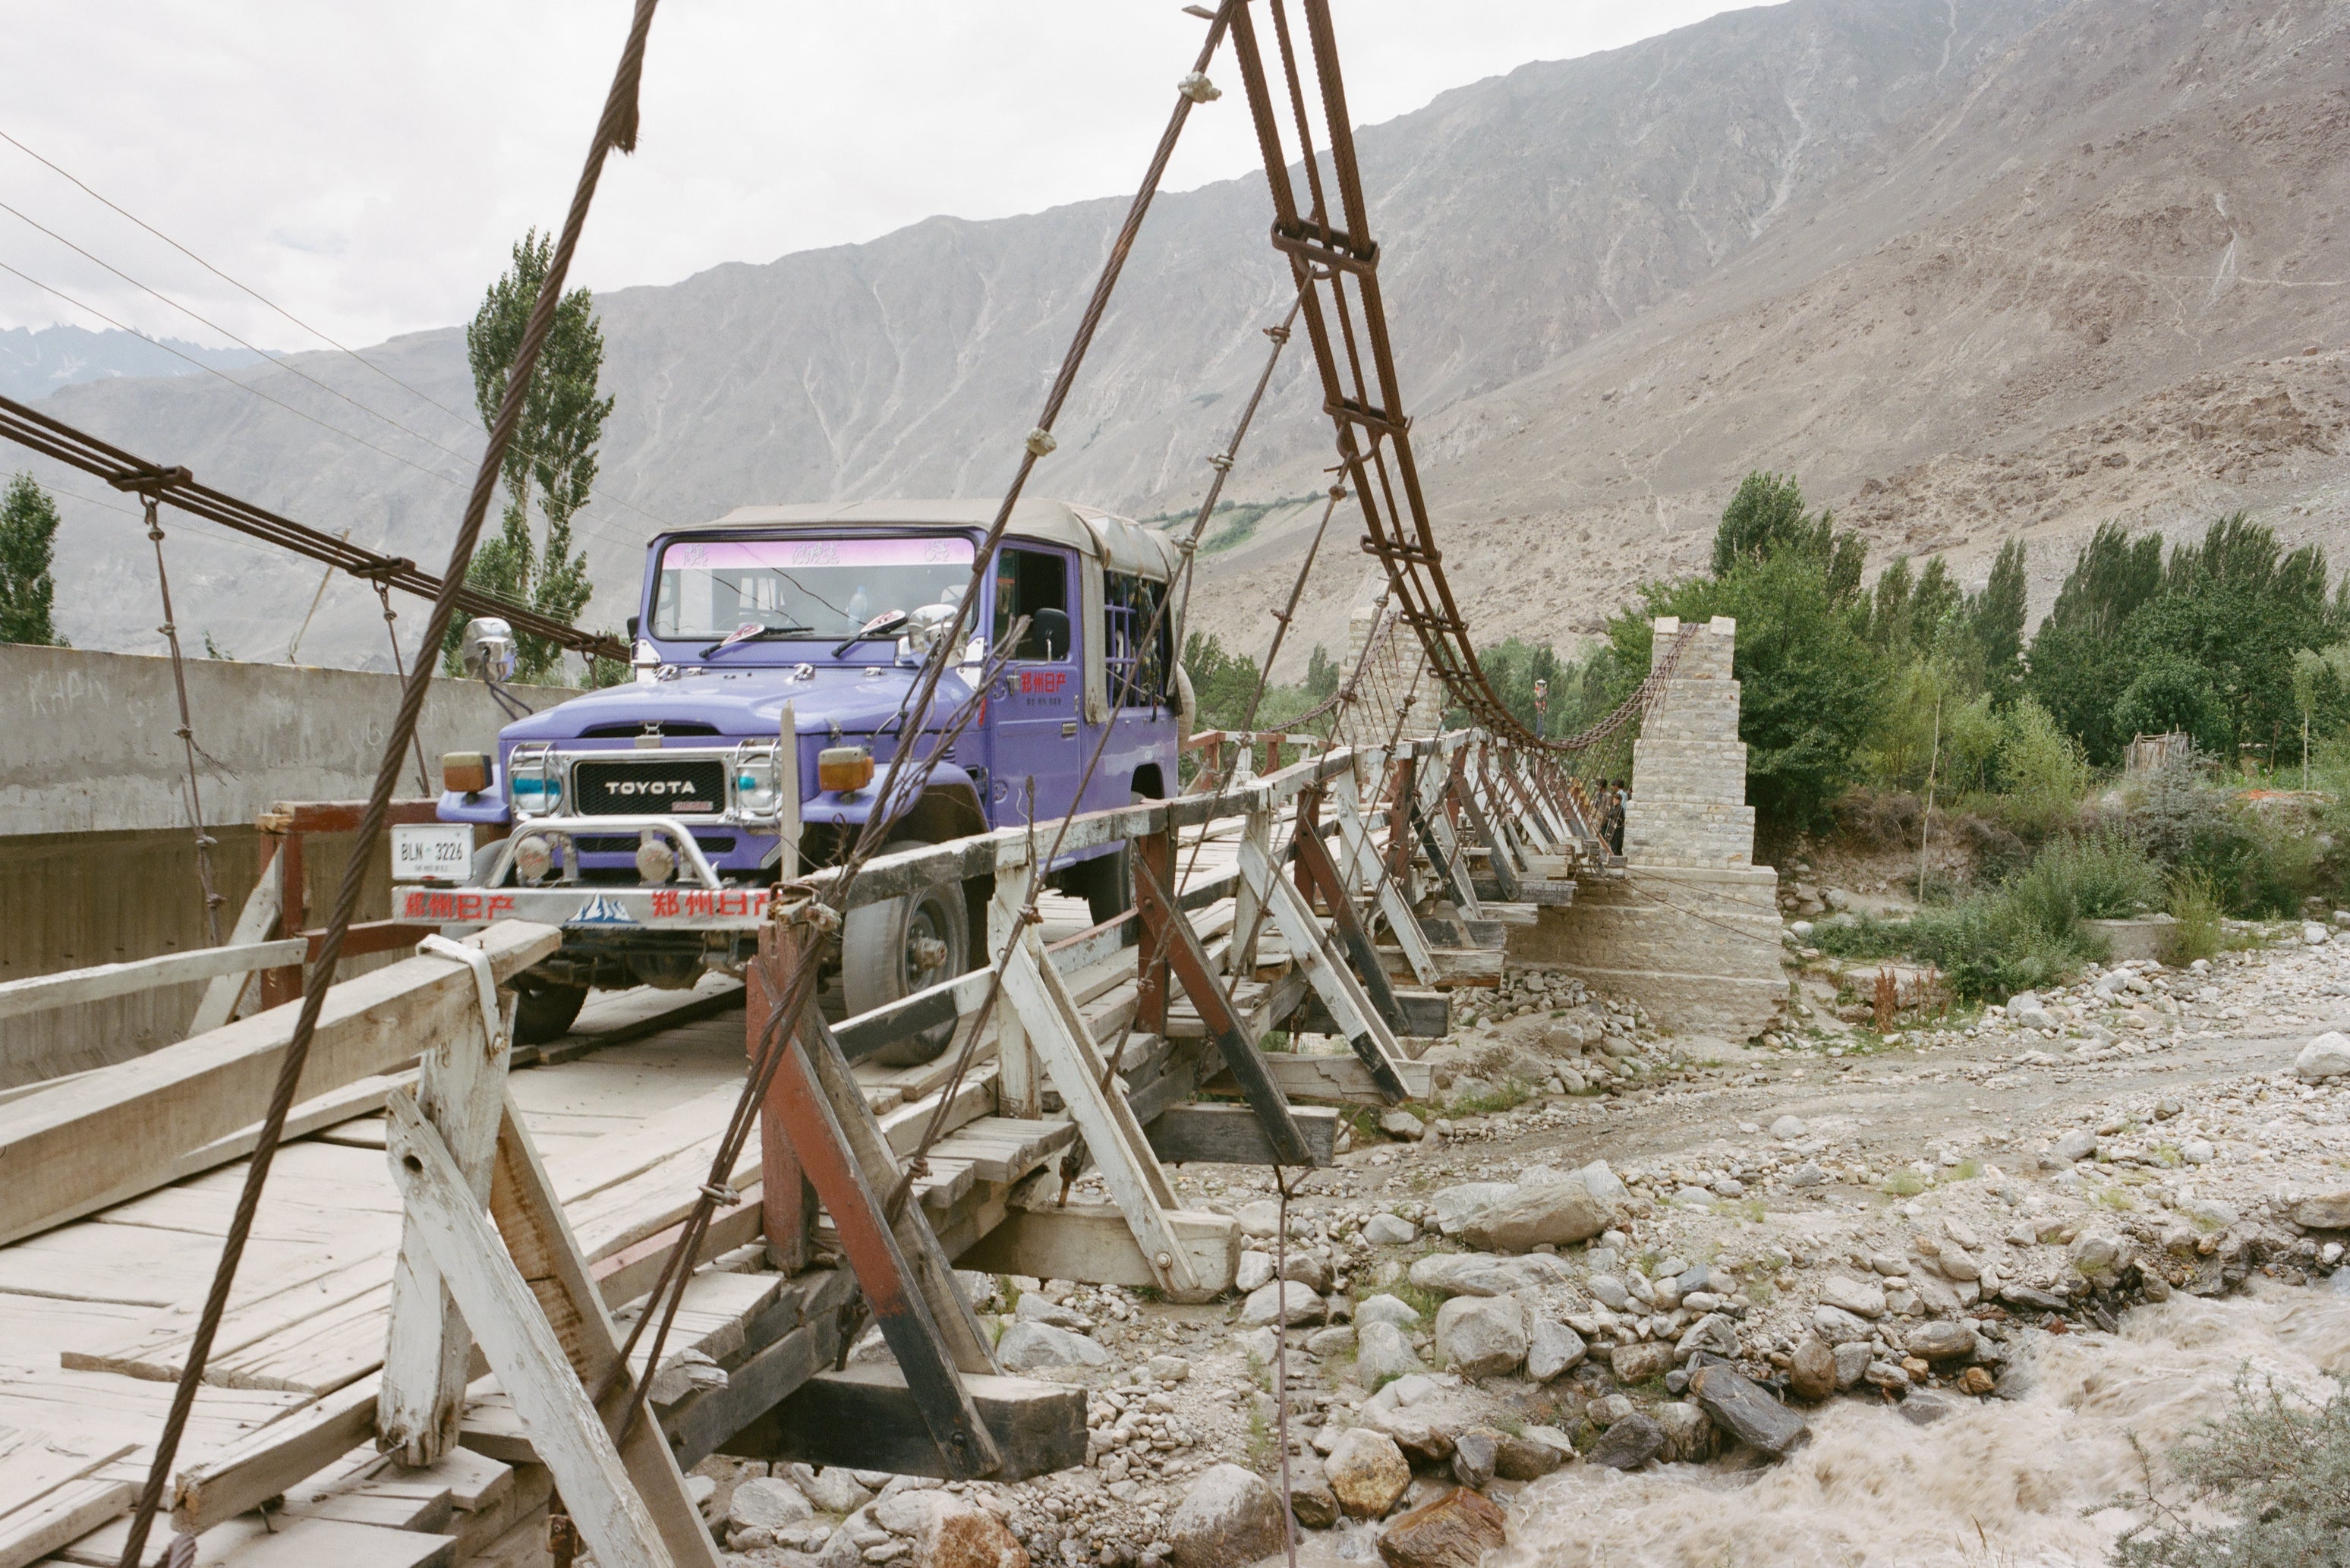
(1196, 87)
(724, 1196)
(1040, 443)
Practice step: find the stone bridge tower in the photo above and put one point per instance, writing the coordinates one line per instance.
(1691, 929)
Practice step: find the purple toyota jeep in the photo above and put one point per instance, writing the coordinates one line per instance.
(659, 804)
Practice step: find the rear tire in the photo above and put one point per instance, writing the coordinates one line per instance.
(547, 1012)
(1107, 884)
(893, 949)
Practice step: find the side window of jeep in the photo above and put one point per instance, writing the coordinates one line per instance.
(1136, 656)
(1035, 584)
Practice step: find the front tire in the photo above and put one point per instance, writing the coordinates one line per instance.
(545, 1012)
(893, 949)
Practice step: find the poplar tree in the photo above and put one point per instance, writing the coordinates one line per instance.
(28, 531)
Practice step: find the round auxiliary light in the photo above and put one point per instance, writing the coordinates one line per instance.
(534, 858)
(656, 861)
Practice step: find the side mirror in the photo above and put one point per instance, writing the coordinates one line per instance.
(488, 648)
(633, 628)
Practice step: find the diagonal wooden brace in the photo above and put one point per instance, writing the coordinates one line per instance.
(1341, 996)
(1313, 859)
(813, 1095)
(1505, 875)
(1164, 922)
(1113, 1135)
(520, 1345)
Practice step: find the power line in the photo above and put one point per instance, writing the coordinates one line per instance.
(338, 346)
(54, 438)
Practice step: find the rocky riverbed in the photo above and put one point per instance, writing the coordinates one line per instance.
(1613, 1279)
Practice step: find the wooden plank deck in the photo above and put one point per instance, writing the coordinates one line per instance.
(95, 1315)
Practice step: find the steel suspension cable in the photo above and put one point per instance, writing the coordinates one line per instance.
(615, 129)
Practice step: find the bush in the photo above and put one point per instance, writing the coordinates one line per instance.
(2195, 911)
(2043, 770)
(2276, 1467)
(2101, 876)
(2021, 935)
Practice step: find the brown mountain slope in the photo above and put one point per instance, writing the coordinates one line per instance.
(2081, 287)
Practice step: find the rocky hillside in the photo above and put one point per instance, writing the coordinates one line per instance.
(1969, 266)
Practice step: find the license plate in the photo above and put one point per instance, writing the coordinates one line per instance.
(432, 852)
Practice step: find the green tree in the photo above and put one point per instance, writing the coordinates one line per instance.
(1321, 673)
(1995, 619)
(28, 531)
(1766, 518)
(552, 460)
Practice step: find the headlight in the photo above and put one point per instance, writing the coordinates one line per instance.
(536, 784)
(755, 791)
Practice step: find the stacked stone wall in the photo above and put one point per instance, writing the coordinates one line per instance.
(1689, 929)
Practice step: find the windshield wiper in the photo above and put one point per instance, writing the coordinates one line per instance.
(764, 634)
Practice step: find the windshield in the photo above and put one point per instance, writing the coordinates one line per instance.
(816, 588)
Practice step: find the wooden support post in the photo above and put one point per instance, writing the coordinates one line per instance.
(565, 1428)
(1165, 924)
(787, 1205)
(1505, 875)
(1366, 1031)
(1157, 851)
(1403, 790)
(1112, 1134)
(461, 1084)
(1019, 1087)
(1248, 913)
(1387, 898)
(906, 1279)
(283, 985)
(538, 1238)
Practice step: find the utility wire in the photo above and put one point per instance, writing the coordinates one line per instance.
(332, 342)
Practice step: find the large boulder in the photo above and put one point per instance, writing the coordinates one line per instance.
(960, 1534)
(1741, 1408)
(1689, 1435)
(1481, 1336)
(1943, 1340)
(1310, 1496)
(1368, 1471)
(1455, 1531)
(1229, 1518)
(1628, 1444)
(1382, 1354)
(2327, 1056)
(1552, 1348)
(1384, 1308)
(1545, 1206)
(1286, 1302)
(1027, 1346)
(1862, 1298)
(2324, 1211)
(1812, 1369)
(769, 1504)
(1640, 1361)
(1482, 1274)
(1451, 1207)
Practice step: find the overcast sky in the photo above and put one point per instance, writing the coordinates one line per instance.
(367, 166)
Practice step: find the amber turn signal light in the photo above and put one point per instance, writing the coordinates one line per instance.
(843, 770)
(466, 772)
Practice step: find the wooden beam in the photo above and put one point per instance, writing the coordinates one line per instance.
(42, 991)
(460, 1081)
(1426, 1014)
(1338, 1080)
(1093, 1242)
(1231, 1135)
(267, 1462)
(1167, 927)
(522, 1349)
(1360, 1024)
(120, 1131)
(537, 1235)
(864, 1417)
